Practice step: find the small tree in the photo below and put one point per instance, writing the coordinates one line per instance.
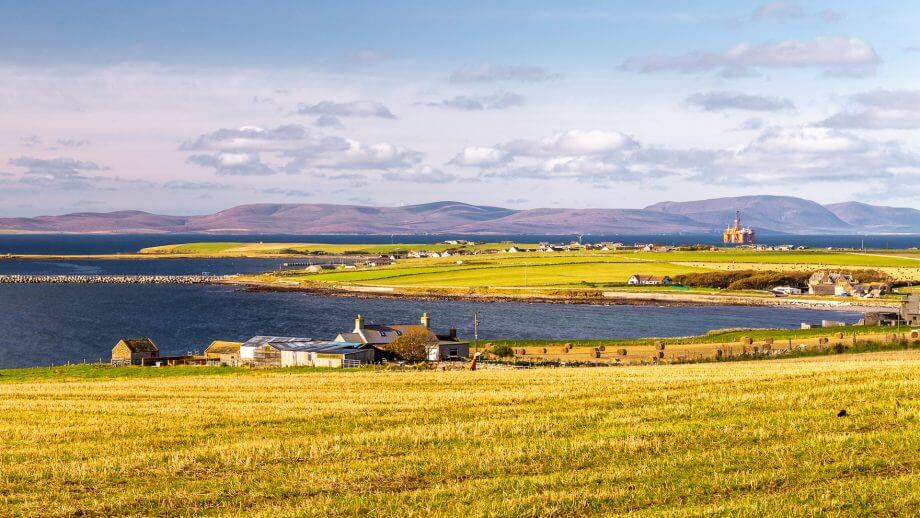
(503, 351)
(413, 346)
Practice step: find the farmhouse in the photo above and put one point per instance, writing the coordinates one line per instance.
(449, 346)
(648, 280)
(285, 351)
(831, 283)
(319, 268)
(224, 353)
(133, 351)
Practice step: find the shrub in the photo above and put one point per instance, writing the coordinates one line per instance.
(413, 345)
(503, 351)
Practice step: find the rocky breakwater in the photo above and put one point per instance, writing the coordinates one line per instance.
(109, 279)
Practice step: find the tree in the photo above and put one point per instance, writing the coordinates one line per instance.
(413, 345)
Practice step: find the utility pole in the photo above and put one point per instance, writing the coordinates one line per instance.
(476, 322)
(525, 275)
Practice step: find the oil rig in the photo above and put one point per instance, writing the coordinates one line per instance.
(738, 235)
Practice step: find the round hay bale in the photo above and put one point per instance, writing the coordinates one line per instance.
(622, 352)
(823, 340)
(768, 340)
(568, 345)
(719, 353)
(746, 340)
(597, 352)
(659, 345)
(603, 348)
(755, 349)
(767, 347)
(544, 350)
(523, 352)
(661, 354)
(915, 334)
(838, 335)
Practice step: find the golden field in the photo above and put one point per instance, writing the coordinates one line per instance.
(737, 438)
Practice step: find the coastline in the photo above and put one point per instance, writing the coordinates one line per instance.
(590, 298)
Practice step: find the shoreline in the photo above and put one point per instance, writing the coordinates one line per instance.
(605, 298)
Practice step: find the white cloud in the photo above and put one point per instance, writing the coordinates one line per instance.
(349, 109)
(778, 10)
(424, 174)
(61, 173)
(480, 156)
(836, 55)
(233, 164)
(497, 101)
(488, 72)
(878, 109)
(719, 101)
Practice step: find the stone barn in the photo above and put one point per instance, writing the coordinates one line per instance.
(133, 351)
(223, 353)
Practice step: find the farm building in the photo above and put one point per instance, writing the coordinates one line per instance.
(651, 280)
(283, 351)
(133, 351)
(448, 346)
(224, 353)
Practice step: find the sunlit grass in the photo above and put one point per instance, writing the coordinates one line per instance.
(746, 439)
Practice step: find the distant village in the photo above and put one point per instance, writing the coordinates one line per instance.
(363, 344)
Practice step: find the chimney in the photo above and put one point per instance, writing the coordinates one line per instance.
(453, 334)
(426, 320)
(359, 324)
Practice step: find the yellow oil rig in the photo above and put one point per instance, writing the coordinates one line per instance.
(738, 235)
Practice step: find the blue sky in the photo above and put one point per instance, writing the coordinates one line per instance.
(191, 107)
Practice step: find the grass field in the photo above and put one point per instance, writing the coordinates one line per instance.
(597, 269)
(739, 438)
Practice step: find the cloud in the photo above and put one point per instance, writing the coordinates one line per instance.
(497, 101)
(69, 142)
(837, 56)
(832, 16)
(878, 109)
(291, 149)
(778, 10)
(749, 124)
(720, 101)
(480, 156)
(233, 164)
(292, 193)
(424, 174)
(182, 185)
(61, 173)
(487, 73)
(350, 109)
(777, 156)
(328, 121)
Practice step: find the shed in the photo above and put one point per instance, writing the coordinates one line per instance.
(133, 351)
(224, 353)
(284, 351)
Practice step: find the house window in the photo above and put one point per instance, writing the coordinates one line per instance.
(453, 351)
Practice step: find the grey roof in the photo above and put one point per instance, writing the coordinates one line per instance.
(288, 343)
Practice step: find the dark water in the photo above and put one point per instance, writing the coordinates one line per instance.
(49, 323)
(110, 244)
(139, 266)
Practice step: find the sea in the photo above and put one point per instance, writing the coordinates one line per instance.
(53, 324)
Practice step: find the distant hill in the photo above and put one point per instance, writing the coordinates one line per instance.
(875, 218)
(767, 214)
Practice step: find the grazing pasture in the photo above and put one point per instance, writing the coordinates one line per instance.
(740, 438)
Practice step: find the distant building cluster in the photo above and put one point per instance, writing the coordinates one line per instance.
(365, 344)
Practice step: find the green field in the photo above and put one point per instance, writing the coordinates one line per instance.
(736, 438)
(257, 249)
(565, 270)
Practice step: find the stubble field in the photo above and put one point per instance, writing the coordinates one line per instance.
(742, 438)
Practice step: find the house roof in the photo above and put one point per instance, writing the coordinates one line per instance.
(140, 345)
(222, 347)
(288, 343)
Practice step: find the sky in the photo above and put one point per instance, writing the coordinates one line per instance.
(180, 107)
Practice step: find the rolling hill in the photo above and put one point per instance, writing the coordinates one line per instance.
(767, 214)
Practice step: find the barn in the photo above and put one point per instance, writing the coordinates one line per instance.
(223, 353)
(133, 351)
(284, 351)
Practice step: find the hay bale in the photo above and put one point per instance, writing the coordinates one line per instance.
(719, 353)
(661, 354)
(746, 340)
(659, 345)
(544, 350)
(523, 352)
(915, 334)
(838, 335)
(823, 340)
(755, 349)
(622, 352)
(597, 352)
(603, 348)
(768, 340)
